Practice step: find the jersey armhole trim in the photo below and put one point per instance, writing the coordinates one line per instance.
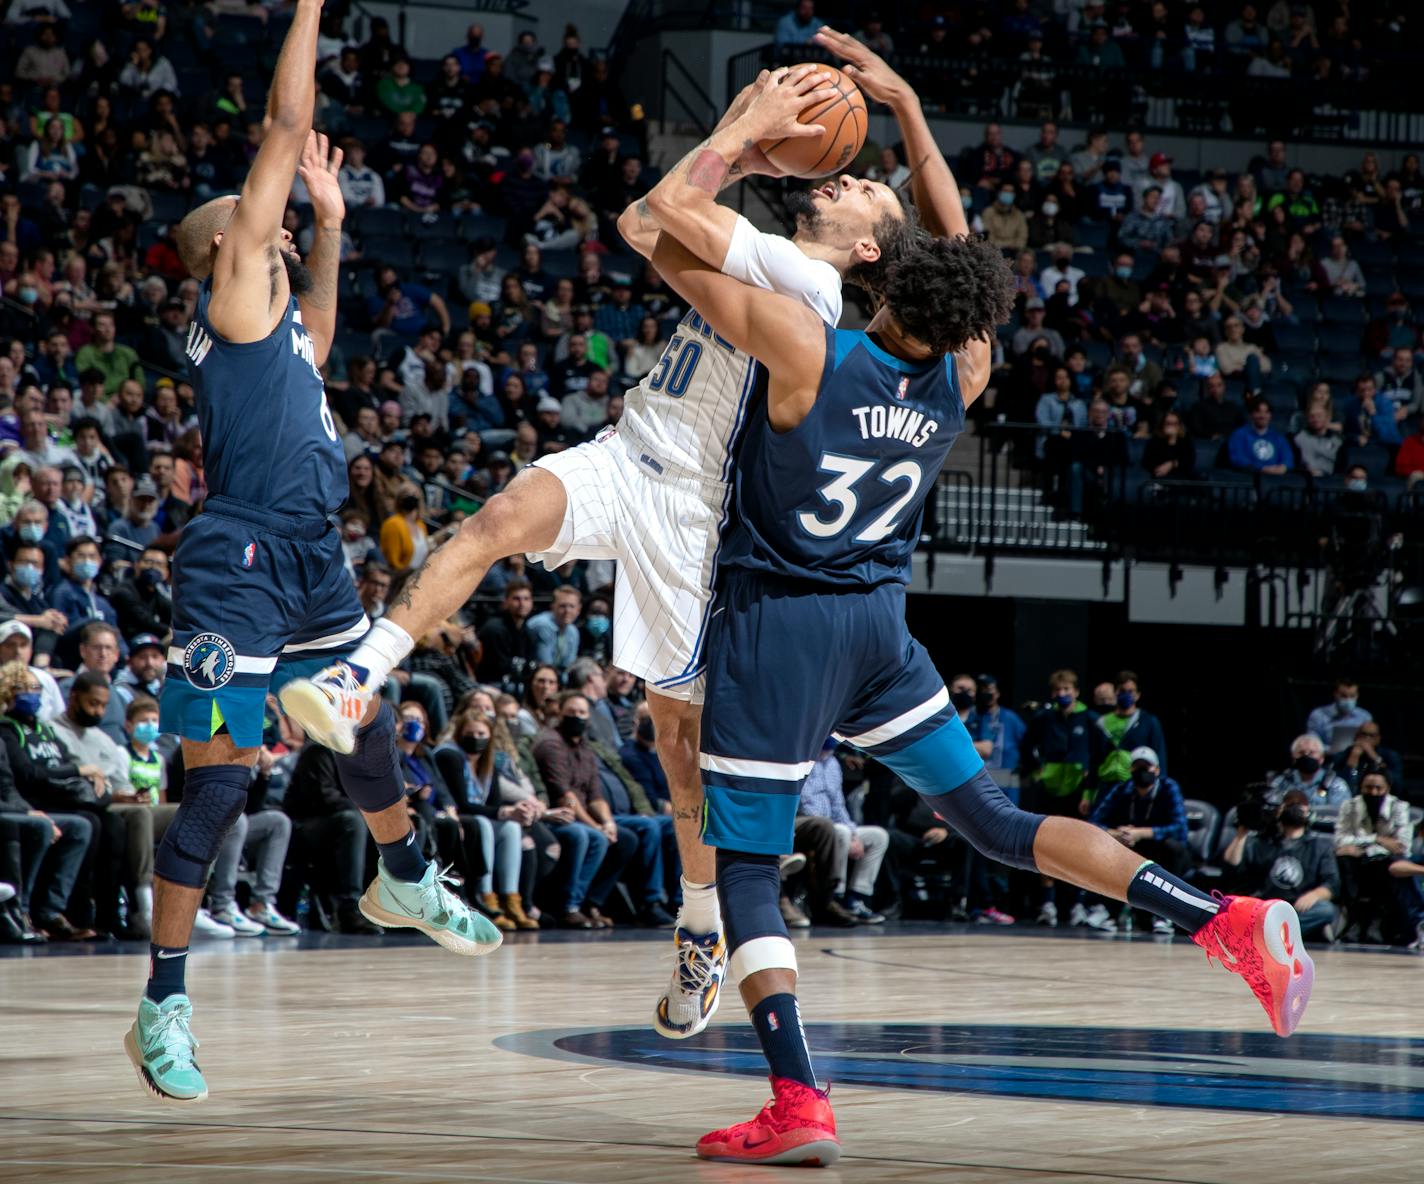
(204, 322)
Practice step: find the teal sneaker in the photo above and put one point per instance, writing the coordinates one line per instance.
(432, 908)
(160, 1044)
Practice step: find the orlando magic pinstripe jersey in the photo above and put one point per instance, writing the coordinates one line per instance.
(838, 499)
(268, 435)
(688, 412)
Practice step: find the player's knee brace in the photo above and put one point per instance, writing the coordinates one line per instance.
(749, 889)
(371, 776)
(980, 812)
(214, 797)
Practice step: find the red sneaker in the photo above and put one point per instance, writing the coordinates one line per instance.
(1260, 941)
(796, 1127)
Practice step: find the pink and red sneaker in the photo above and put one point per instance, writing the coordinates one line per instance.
(795, 1128)
(1260, 940)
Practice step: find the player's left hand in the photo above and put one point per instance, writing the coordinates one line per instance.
(774, 112)
(318, 170)
(867, 69)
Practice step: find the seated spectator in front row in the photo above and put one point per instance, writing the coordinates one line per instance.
(1256, 447)
(1317, 443)
(1145, 813)
(1288, 862)
(1237, 356)
(1364, 754)
(1337, 721)
(823, 796)
(1372, 831)
(78, 596)
(1310, 775)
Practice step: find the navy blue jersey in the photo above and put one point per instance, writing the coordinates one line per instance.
(838, 499)
(268, 436)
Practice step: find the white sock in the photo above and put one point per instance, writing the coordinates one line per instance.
(382, 650)
(699, 912)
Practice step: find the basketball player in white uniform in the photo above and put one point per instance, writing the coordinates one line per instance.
(653, 494)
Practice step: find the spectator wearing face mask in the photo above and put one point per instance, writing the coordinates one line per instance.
(639, 755)
(1125, 728)
(404, 542)
(1145, 812)
(596, 632)
(1288, 862)
(144, 602)
(1372, 831)
(1337, 722)
(78, 596)
(24, 597)
(17, 645)
(997, 731)
(1309, 774)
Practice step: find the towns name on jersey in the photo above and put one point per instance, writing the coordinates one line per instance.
(896, 423)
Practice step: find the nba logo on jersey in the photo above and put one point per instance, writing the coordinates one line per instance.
(249, 553)
(902, 388)
(209, 661)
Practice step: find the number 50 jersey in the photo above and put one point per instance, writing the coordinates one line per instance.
(839, 498)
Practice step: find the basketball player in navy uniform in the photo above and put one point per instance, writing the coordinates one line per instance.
(808, 637)
(260, 588)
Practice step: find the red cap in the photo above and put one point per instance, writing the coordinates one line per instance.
(1159, 159)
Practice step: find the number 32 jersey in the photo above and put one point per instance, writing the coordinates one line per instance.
(839, 498)
(688, 412)
(268, 436)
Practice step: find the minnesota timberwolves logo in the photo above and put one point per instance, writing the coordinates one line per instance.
(209, 661)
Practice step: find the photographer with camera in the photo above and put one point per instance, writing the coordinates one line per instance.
(1310, 775)
(1274, 851)
(1371, 833)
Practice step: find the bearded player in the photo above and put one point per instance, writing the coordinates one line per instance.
(260, 590)
(655, 493)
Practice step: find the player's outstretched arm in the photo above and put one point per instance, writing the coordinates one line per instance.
(320, 165)
(249, 281)
(784, 335)
(684, 203)
(933, 186)
(637, 224)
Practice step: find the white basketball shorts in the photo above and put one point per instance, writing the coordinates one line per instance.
(663, 531)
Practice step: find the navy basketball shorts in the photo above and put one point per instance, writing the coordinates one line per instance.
(259, 598)
(790, 664)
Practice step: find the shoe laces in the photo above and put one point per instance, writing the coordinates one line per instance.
(172, 1033)
(441, 890)
(696, 967)
(340, 678)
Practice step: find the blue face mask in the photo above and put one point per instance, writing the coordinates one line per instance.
(31, 532)
(1357, 485)
(1124, 273)
(27, 576)
(1006, 199)
(1064, 701)
(412, 730)
(26, 705)
(85, 569)
(1346, 706)
(597, 626)
(146, 732)
(1126, 699)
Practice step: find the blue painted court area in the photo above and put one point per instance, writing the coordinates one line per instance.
(1310, 1074)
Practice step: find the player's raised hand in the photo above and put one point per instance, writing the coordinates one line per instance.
(867, 69)
(318, 169)
(743, 100)
(774, 111)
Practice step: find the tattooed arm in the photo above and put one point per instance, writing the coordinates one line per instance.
(319, 168)
(684, 203)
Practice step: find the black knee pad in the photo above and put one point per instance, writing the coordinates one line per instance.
(371, 776)
(996, 827)
(214, 797)
(749, 890)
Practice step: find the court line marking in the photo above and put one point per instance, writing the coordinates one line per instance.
(1020, 1171)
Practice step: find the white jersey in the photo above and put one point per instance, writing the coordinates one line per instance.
(686, 413)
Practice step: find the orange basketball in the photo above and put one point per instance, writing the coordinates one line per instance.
(845, 119)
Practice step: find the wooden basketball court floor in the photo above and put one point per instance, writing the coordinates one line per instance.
(957, 1055)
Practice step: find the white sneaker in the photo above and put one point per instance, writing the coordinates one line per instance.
(1048, 914)
(1164, 926)
(7, 892)
(690, 1000)
(272, 921)
(330, 706)
(1097, 918)
(235, 920)
(204, 925)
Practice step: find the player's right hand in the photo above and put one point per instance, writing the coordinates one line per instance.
(774, 113)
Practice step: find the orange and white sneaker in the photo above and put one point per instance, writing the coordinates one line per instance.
(1260, 940)
(796, 1128)
(330, 706)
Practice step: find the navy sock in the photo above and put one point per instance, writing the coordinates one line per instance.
(1164, 895)
(403, 858)
(166, 965)
(777, 1020)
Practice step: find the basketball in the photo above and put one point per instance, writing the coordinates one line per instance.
(845, 119)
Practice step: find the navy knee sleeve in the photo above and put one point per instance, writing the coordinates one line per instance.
(371, 776)
(214, 797)
(980, 812)
(749, 890)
